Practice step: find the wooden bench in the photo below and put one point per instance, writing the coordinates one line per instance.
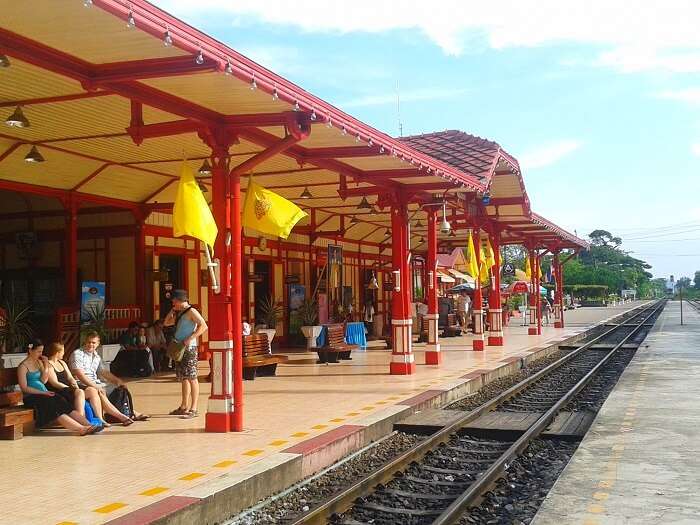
(13, 416)
(257, 361)
(336, 348)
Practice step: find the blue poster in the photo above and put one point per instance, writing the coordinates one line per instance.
(92, 299)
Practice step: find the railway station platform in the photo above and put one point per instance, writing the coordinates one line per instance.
(303, 419)
(640, 460)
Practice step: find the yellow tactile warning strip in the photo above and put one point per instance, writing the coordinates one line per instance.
(225, 463)
(253, 452)
(616, 450)
(191, 476)
(278, 442)
(110, 507)
(153, 491)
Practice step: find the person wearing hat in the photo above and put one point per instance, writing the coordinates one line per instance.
(189, 326)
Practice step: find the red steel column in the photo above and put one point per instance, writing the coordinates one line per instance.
(71, 252)
(432, 352)
(219, 415)
(534, 292)
(538, 294)
(140, 260)
(495, 310)
(402, 358)
(237, 301)
(558, 292)
(478, 341)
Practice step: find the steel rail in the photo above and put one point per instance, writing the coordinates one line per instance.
(472, 495)
(345, 499)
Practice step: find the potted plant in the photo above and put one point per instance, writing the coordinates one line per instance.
(97, 322)
(15, 331)
(308, 316)
(270, 312)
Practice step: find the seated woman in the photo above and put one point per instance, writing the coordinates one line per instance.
(61, 381)
(48, 407)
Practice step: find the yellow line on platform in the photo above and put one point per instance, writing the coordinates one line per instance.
(191, 476)
(300, 434)
(253, 452)
(153, 491)
(225, 463)
(319, 427)
(111, 507)
(277, 442)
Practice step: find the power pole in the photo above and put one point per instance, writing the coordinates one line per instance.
(680, 293)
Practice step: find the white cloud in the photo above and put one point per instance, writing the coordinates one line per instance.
(633, 35)
(415, 95)
(689, 96)
(548, 154)
(695, 148)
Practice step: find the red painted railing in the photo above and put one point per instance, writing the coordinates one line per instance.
(117, 319)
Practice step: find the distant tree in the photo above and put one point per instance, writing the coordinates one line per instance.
(683, 282)
(697, 280)
(601, 237)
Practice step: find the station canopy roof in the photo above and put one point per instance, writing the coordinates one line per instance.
(118, 92)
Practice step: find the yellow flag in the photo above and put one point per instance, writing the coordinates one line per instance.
(191, 213)
(487, 253)
(267, 212)
(472, 268)
(528, 270)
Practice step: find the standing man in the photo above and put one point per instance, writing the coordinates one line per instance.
(463, 309)
(189, 326)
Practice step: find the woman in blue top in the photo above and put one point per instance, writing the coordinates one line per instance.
(189, 326)
(48, 407)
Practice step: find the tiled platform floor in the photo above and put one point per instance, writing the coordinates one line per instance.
(639, 462)
(51, 477)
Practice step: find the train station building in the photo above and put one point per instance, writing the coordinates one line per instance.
(104, 99)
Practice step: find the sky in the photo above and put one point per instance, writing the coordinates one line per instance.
(599, 100)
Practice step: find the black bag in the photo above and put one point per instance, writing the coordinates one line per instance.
(121, 399)
(131, 363)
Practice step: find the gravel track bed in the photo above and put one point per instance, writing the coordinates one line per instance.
(496, 387)
(290, 506)
(592, 397)
(518, 495)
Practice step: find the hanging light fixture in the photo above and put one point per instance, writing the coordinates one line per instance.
(34, 156)
(387, 233)
(306, 194)
(364, 204)
(202, 187)
(453, 234)
(130, 21)
(354, 220)
(313, 114)
(87, 3)
(444, 225)
(17, 119)
(4, 61)
(167, 39)
(228, 69)
(205, 168)
(419, 224)
(199, 59)
(253, 83)
(296, 106)
(486, 198)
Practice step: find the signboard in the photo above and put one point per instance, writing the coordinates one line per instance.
(297, 294)
(508, 269)
(292, 279)
(387, 286)
(255, 278)
(92, 299)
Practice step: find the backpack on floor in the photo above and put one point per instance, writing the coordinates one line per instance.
(121, 399)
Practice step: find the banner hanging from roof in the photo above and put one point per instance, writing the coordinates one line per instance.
(191, 213)
(266, 212)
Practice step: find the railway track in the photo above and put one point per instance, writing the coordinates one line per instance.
(439, 478)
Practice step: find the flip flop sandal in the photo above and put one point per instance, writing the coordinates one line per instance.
(190, 415)
(128, 422)
(142, 417)
(178, 412)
